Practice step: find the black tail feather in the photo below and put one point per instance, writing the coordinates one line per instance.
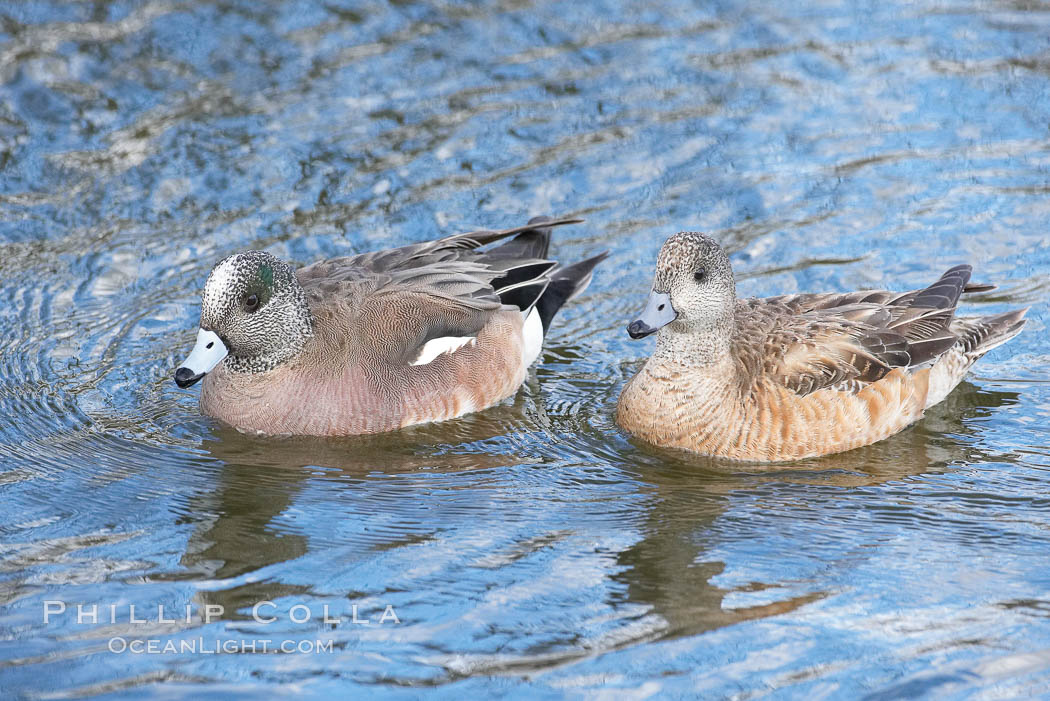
(523, 259)
(522, 272)
(525, 293)
(528, 278)
(565, 284)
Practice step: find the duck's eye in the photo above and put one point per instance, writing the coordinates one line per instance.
(700, 275)
(251, 303)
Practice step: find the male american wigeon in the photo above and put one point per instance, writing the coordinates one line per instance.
(798, 375)
(377, 341)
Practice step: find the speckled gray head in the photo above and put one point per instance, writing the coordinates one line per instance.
(693, 290)
(253, 315)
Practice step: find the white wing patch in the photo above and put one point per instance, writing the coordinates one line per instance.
(439, 346)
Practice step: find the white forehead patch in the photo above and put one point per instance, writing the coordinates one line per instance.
(223, 275)
(220, 282)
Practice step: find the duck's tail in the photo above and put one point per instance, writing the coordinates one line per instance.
(976, 335)
(980, 334)
(531, 281)
(566, 283)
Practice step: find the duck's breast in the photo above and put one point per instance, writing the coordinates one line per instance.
(704, 413)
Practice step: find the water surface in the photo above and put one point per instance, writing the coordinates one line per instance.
(532, 550)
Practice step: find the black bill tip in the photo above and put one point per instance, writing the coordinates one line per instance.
(639, 329)
(184, 377)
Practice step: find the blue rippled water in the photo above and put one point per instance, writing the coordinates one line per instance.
(533, 550)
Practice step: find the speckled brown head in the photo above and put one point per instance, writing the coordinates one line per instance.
(253, 314)
(693, 294)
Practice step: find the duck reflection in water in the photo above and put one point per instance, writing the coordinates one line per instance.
(670, 571)
(260, 478)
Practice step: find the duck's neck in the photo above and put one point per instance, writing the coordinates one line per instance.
(692, 347)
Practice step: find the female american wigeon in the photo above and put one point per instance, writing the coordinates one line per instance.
(794, 376)
(377, 341)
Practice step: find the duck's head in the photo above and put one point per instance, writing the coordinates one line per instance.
(253, 314)
(693, 291)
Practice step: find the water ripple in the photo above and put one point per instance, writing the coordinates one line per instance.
(532, 549)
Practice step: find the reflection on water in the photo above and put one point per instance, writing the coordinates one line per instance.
(533, 549)
(668, 569)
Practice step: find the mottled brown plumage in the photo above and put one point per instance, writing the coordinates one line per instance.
(381, 340)
(794, 376)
